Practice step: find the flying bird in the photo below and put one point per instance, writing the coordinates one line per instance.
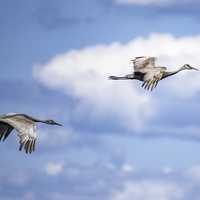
(26, 129)
(145, 70)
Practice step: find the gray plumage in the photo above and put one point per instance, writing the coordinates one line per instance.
(25, 127)
(146, 71)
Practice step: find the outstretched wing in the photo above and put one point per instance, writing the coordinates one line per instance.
(5, 130)
(143, 64)
(26, 130)
(152, 77)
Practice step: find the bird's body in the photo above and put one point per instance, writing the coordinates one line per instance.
(146, 71)
(25, 126)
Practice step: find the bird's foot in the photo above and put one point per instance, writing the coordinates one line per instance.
(112, 77)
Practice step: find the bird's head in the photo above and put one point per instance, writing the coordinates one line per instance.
(52, 122)
(188, 67)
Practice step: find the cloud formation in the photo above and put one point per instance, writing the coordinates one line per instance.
(54, 169)
(150, 190)
(145, 2)
(95, 181)
(161, 3)
(82, 75)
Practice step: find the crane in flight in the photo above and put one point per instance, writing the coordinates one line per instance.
(25, 127)
(146, 71)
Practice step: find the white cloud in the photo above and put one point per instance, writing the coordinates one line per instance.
(127, 168)
(161, 3)
(145, 2)
(167, 170)
(83, 73)
(53, 168)
(149, 190)
(63, 136)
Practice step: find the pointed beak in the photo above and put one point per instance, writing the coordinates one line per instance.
(58, 124)
(194, 68)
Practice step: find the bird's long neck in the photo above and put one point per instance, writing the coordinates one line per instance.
(37, 120)
(166, 74)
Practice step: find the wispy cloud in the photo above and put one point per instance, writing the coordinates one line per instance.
(96, 181)
(128, 168)
(145, 2)
(167, 170)
(48, 138)
(149, 189)
(161, 3)
(53, 168)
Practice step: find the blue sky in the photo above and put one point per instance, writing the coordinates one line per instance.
(118, 140)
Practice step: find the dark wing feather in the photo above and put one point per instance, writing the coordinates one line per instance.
(25, 128)
(5, 130)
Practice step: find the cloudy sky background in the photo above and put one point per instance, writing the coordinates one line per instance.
(118, 142)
